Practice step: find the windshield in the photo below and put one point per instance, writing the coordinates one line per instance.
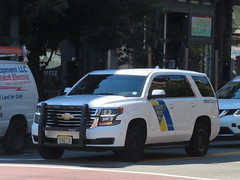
(229, 91)
(124, 85)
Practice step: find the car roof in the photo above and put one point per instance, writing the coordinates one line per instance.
(145, 72)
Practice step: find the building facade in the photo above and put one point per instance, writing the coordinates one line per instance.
(201, 35)
(189, 28)
(227, 39)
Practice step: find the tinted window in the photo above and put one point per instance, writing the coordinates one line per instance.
(204, 86)
(174, 86)
(110, 85)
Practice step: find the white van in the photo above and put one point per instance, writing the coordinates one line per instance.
(18, 99)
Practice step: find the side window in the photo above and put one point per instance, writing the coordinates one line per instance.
(174, 86)
(178, 86)
(158, 82)
(204, 86)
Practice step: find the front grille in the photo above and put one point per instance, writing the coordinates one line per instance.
(68, 116)
(225, 130)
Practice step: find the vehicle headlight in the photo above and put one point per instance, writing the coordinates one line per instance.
(108, 116)
(37, 115)
(234, 112)
(237, 113)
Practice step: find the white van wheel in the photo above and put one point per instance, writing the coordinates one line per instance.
(14, 140)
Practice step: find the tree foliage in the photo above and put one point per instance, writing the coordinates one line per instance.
(42, 24)
(108, 24)
(105, 24)
(42, 29)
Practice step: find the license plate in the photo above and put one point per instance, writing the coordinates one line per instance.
(64, 139)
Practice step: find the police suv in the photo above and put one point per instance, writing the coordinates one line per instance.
(128, 110)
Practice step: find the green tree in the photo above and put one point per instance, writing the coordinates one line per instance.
(105, 24)
(108, 24)
(42, 29)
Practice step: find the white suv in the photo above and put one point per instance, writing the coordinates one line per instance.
(128, 110)
(229, 105)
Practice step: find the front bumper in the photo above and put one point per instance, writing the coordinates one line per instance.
(230, 126)
(76, 142)
(77, 136)
(103, 137)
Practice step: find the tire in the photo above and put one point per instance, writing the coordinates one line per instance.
(134, 146)
(15, 138)
(199, 143)
(50, 152)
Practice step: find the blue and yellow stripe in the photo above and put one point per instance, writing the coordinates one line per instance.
(163, 115)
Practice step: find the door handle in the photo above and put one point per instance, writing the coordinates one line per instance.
(170, 106)
(193, 104)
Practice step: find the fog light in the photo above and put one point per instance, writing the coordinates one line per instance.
(234, 125)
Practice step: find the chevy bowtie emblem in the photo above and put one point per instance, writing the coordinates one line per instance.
(67, 116)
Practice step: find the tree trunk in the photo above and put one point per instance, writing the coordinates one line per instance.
(37, 74)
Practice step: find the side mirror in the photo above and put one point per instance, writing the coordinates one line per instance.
(157, 93)
(66, 90)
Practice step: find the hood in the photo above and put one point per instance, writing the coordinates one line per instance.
(229, 104)
(91, 100)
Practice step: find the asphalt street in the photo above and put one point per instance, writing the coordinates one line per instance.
(222, 162)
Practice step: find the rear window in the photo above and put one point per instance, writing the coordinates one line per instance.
(204, 86)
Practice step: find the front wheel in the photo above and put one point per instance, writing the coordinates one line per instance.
(14, 140)
(198, 145)
(50, 152)
(134, 146)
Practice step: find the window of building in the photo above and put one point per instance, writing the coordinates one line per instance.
(204, 2)
(182, 1)
(207, 2)
(200, 57)
(177, 39)
(235, 48)
(194, 1)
